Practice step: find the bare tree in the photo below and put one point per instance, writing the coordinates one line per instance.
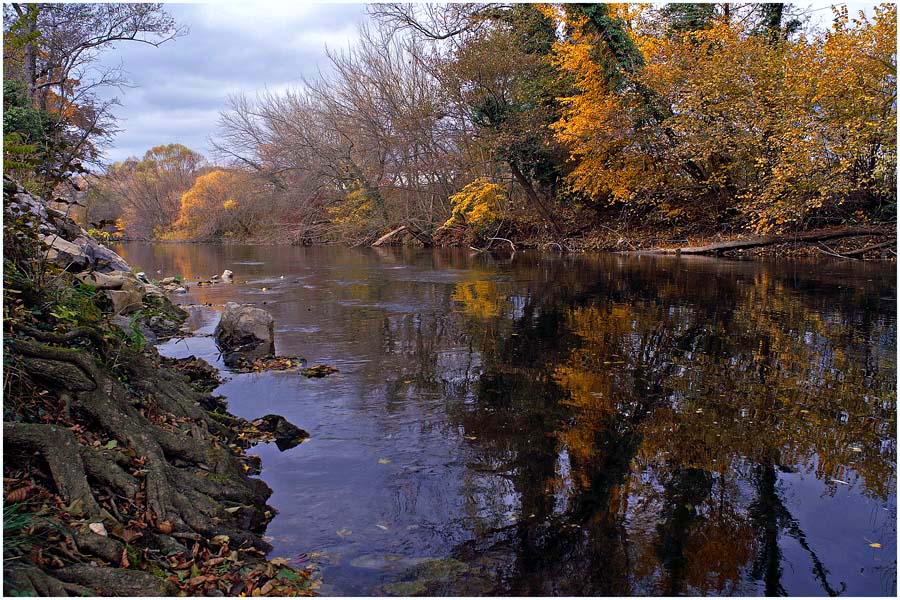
(54, 50)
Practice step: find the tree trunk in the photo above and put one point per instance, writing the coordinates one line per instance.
(534, 198)
(28, 13)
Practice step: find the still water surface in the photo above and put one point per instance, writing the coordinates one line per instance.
(599, 425)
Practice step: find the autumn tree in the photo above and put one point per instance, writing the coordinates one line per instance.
(707, 118)
(148, 191)
(218, 205)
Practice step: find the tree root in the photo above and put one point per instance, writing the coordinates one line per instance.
(60, 375)
(88, 333)
(27, 580)
(188, 475)
(92, 544)
(104, 581)
(60, 449)
(102, 466)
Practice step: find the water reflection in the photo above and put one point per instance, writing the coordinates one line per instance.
(581, 425)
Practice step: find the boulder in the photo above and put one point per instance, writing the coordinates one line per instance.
(152, 291)
(125, 301)
(123, 289)
(102, 258)
(65, 254)
(287, 435)
(103, 281)
(246, 332)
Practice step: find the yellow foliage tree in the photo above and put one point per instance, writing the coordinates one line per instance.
(216, 205)
(722, 122)
(479, 203)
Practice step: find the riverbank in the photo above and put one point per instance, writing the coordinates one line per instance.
(123, 475)
(876, 244)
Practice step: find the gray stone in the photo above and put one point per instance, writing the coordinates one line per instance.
(152, 291)
(287, 435)
(125, 301)
(104, 281)
(65, 254)
(102, 258)
(245, 332)
(126, 324)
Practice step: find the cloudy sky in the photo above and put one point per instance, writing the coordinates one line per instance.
(181, 86)
(234, 46)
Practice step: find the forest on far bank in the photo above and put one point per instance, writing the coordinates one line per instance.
(465, 122)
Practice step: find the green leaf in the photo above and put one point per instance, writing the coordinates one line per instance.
(287, 575)
(112, 444)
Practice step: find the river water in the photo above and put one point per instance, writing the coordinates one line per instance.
(574, 425)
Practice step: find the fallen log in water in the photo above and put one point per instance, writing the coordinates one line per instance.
(424, 238)
(389, 236)
(818, 235)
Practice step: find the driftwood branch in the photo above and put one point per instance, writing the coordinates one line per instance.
(389, 236)
(419, 235)
(861, 251)
(491, 243)
(819, 235)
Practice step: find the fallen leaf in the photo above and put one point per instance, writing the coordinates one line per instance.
(98, 528)
(344, 532)
(384, 461)
(112, 444)
(874, 545)
(21, 494)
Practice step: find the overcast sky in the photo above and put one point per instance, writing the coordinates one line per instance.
(232, 46)
(235, 46)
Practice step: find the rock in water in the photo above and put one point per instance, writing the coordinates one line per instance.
(227, 276)
(287, 435)
(245, 332)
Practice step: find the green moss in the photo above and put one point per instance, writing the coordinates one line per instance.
(406, 588)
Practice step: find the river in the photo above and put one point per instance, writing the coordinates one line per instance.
(568, 425)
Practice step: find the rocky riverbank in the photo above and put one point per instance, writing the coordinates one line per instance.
(123, 475)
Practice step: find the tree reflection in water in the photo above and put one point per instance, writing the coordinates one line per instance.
(656, 408)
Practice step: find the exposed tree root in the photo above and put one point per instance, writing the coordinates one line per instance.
(59, 448)
(115, 582)
(119, 479)
(28, 580)
(190, 481)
